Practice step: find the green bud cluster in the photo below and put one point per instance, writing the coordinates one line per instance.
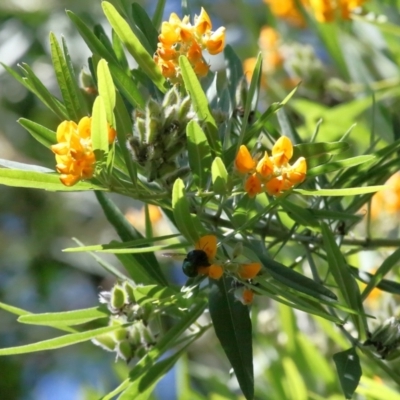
(159, 137)
(137, 334)
(386, 338)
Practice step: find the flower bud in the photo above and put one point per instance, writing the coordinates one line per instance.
(125, 351)
(105, 341)
(118, 297)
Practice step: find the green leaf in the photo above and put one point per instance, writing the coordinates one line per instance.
(345, 281)
(295, 280)
(67, 82)
(37, 180)
(219, 176)
(124, 125)
(167, 341)
(340, 164)
(183, 218)
(34, 84)
(299, 214)
(127, 86)
(99, 130)
(307, 150)
(341, 192)
(122, 80)
(349, 370)
(90, 38)
(68, 318)
(107, 266)
(234, 70)
(56, 343)
(147, 263)
(252, 98)
(106, 90)
(14, 310)
(133, 45)
(386, 267)
(158, 14)
(232, 324)
(145, 24)
(200, 104)
(199, 154)
(384, 284)
(43, 135)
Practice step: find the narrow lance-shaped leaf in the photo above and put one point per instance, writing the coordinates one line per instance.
(252, 98)
(99, 130)
(56, 343)
(219, 176)
(37, 180)
(386, 266)
(106, 90)
(42, 134)
(147, 263)
(66, 81)
(133, 45)
(182, 215)
(340, 192)
(232, 324)
(69, 318)
(199, 154)
(349, 370)
(345, 281)
(200, 104)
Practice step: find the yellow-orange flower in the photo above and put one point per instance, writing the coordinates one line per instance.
(274, 172)
(252, 185)
(247, 296)
(74, 152)
(179, 37)
(244, 162)
(323, 10)
(387, 200)
(208, 244)
(249, 271)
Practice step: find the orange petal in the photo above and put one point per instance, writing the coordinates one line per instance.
(69, 180)
(282, 151)
(249, 271)
(247, 296)
(297, 173)
(216, 43)
(252, 185)
(194, 53)
(112, 133)
(169, 34)
(85, 127)
(265, 167)
(65, 130)
(60, 148)
(244, 162)
(201, 69)
(208, 244)
(275, 186)
(215, 271)
(203, 270)
(202, 23)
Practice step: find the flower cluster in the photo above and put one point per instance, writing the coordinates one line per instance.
(159, 137)
(179, 37)
(74, 152)
(136, 339)
(323, 10)
(273, 174)
(237, 270)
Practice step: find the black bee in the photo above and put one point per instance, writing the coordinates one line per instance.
(194, 259)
